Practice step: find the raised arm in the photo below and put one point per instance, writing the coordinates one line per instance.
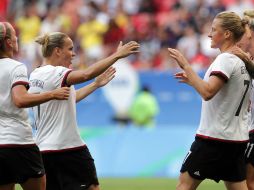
(206, 89)
(99, 67)
(22, 99)
(99, 81)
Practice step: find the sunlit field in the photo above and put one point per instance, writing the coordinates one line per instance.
(148, 184)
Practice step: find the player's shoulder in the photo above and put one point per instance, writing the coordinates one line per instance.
(225, 58)
(226, 55)
(12, 63)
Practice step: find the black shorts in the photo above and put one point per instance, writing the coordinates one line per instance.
(73, 170)
(249, 153)
(209, 159)
(18, 164)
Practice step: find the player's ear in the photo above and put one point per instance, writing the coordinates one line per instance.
(57, 51)
(228, 34)
(8, 42)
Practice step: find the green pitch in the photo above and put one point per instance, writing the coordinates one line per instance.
(148, 184)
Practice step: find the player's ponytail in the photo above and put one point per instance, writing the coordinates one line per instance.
(50, 41)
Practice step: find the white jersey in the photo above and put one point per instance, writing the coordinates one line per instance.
(14, 124)
(225, 116)
(251, 125)
(55, 120)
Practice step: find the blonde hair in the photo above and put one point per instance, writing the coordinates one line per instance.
(249, 15)
(232, 22)
(50, 41)
(5, 32)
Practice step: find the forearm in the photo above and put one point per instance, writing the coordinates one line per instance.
(100, 66)
(92, 71)
(202, 87)
(85, 91)
(29, 100)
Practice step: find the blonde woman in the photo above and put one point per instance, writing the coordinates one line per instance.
(20, 158)
(67, 160)
(246, 53)
(218, 150)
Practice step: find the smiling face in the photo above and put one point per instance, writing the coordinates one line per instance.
(66, 53)
(216, 34)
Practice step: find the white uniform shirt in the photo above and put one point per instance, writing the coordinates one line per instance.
(225, 116)
(14, 123)
(55, 120)
(251, 125)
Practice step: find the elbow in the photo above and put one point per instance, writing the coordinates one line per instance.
(207, 96)
(19, 103)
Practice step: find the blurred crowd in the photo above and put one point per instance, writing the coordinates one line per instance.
(97, 26)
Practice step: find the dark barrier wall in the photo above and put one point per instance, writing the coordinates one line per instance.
(179, 103)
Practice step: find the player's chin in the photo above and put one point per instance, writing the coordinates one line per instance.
(70, 65)
(213, 45)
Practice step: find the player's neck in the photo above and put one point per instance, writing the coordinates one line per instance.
(49, 61)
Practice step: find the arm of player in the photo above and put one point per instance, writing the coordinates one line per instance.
(247, 59)
(22, 99)
(208, 89)
(99, 81)
(99, 67)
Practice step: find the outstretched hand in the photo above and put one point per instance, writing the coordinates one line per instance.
(182, 77)
(180, 59)
(127, 49)
(105, 77)
(61, 93)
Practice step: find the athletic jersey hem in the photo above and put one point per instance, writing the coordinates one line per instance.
(16, 145)
(26, 84)
(63, 150)
(64, 82)
(220, 140)
(219, 74)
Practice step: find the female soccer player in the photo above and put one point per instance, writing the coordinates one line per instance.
(20, 159)
(67, 160)
(245, 53)
(218, 150)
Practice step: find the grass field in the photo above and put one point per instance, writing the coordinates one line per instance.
(148, 184)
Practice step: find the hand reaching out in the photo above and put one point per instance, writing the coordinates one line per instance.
(182, 77)
(127, 49)
(180, 59)
(105, 77)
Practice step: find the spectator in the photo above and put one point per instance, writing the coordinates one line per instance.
(144, 108)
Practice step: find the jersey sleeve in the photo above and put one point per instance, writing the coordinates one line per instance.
(61, 74)
(19, 76)
(222, 67)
